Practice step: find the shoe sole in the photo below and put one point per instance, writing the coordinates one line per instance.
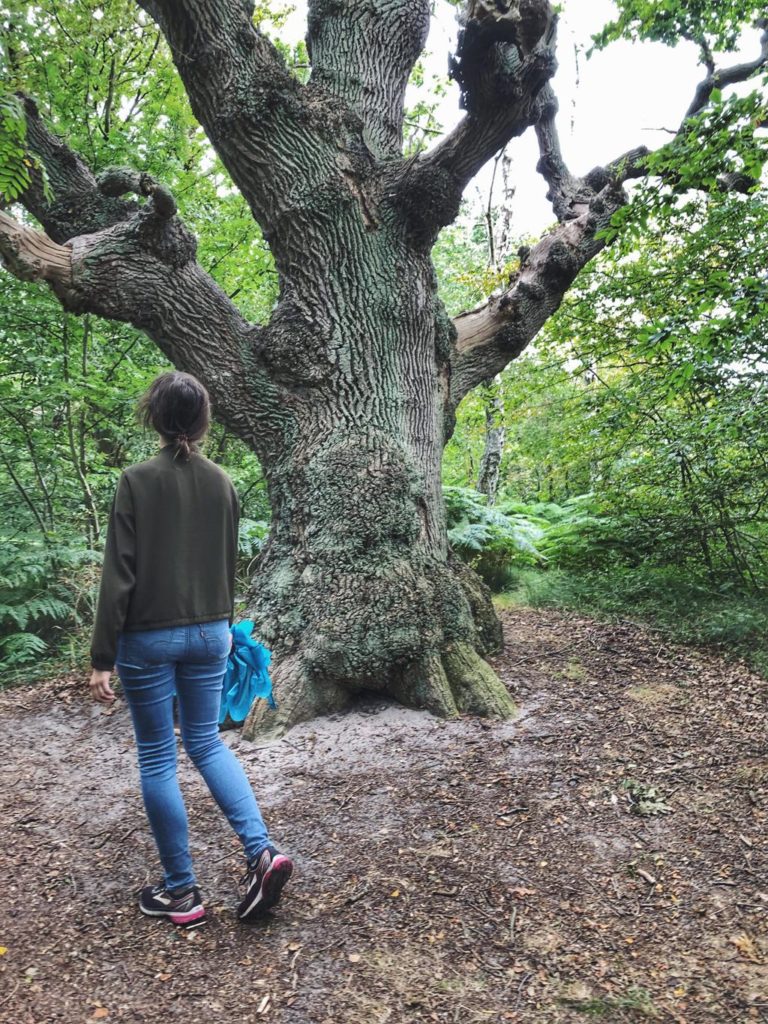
(280, 870)
(189, 919)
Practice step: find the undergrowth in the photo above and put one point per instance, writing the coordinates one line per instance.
(683, 608)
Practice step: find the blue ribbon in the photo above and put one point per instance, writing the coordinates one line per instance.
(247, 677)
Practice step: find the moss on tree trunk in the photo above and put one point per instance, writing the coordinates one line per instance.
(356, 589)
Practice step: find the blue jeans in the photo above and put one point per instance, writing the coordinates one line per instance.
(189, 661)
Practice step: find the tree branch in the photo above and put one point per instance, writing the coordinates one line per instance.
(719, 79)
(136, 264)
(504, 57)
(125, 273)
(503, 60)
(33, 256)
(492, 335)
(489, 337)
(257, 116)
(362, 52)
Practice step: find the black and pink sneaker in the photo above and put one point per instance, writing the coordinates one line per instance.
(264, 881)
(184, 909)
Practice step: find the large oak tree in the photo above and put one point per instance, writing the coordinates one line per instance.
(349, 393)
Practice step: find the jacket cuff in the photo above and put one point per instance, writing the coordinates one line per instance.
(101, 665)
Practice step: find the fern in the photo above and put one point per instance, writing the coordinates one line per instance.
(41, 591)
(252, 536)
(492, 541)
(20, 649)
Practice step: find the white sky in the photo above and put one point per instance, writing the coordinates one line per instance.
(619, 99)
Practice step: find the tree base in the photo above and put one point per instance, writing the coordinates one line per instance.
(457, 682)
(298, 699)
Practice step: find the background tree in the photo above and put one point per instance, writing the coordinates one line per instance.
(349, 393)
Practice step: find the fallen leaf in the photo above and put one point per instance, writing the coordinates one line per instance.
(354, 958)
(3, 950)
(395, 893)
(100, 1013)
(746, 946)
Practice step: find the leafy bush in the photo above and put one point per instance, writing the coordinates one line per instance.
(574, 534)
(491, 541)
(45, 590)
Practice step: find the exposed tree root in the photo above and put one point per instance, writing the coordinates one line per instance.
(298, 698)
(458, 681)
(476, 688)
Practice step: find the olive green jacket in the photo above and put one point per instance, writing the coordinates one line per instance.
(170, 551)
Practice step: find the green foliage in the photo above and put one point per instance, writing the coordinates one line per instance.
(421, 125)
(20, 649)
(42, 595)
(645, 801)
(720, 24)
(718, 142)
(636, 1001)
(490, 541)
(647, 390)
(252, 536)
(16, 162)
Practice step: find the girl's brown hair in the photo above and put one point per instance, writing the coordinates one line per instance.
(177, 406)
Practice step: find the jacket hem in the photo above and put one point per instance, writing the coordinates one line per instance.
(135, 627)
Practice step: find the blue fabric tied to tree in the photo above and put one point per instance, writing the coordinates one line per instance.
(247, 677)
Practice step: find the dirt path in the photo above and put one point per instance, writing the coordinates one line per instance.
(447, 872)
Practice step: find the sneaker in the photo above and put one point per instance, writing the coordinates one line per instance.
(264, 881)
(184, 909)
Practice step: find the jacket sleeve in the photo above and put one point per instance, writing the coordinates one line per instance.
(118, 577)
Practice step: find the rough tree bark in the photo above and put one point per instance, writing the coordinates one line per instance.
(348, 395)
(493, 446)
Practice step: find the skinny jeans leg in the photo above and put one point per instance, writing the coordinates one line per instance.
(190, 662)
(199, 689)
(149, 693)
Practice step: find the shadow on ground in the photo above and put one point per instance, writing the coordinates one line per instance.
(603, 857)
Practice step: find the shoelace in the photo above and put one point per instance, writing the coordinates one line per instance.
(252, 869)
(160, 890)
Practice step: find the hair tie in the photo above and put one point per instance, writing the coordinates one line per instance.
(182, 437)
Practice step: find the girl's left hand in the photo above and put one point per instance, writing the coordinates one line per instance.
(101, 691)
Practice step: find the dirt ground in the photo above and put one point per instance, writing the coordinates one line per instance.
(603, 857)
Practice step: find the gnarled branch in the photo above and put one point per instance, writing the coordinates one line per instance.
(504, 58)
(720, 78)
(136, 263)
(492, 335)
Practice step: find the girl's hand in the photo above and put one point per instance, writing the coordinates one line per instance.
(101, 691)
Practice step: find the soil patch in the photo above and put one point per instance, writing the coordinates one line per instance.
(602, 857)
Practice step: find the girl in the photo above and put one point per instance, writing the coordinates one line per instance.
(165, 606)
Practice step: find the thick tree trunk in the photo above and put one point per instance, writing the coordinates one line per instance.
(356, 590)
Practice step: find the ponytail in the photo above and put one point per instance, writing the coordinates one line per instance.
(177, 406)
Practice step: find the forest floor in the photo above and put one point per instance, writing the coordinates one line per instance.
(602, 857)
